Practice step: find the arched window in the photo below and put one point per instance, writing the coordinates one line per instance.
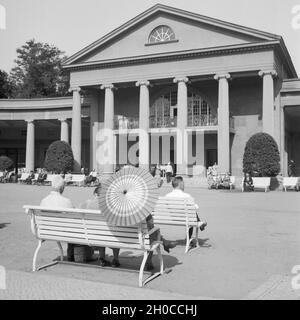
(161, 34)
(163, 112)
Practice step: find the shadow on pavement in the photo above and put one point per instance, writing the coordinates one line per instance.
(3, 225)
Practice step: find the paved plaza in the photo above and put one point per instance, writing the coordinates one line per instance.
(248, 251)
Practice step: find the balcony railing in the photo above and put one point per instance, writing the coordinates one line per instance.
(202, 121)
(165, 122)
(122, 122)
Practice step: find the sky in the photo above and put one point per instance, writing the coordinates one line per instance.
(73, 24)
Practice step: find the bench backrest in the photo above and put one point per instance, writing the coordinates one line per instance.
(24, 176)
(78, 177)
(261, 181)
(50, 177)
(176, 211)
(290, 181)
(87, 227)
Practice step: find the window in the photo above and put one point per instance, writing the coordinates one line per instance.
(163, 112)
(161, 34)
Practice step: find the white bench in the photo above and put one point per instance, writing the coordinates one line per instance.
(290, 182)
(259, 183)
(49, 178)
(88, 227)
(232, 182)
(77, 179)
(177, 212)
(24, 176)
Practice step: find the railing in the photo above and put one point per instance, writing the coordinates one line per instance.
(165, 122)
(202, 121)
(122, 122)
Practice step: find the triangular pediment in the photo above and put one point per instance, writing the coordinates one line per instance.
(191, 31)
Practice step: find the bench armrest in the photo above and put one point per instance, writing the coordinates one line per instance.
(154, 229)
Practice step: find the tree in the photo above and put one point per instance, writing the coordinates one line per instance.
(262, 156)
(5, 85)
(59, 157)
(38, 71)
(5, 163)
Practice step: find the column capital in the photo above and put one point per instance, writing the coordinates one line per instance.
(62, 119)
(29, 120)
(107, 86)
(219, 76)
(263, 73)
(143, 83)
(181, 79)
(76, 89)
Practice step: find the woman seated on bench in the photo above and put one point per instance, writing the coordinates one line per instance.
(93, 204)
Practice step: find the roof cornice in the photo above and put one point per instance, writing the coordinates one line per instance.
(169, 56)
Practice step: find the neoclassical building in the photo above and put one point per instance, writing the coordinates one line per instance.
(168, 85)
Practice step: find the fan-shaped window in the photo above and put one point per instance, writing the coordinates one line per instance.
(163, 112)
(161, 34)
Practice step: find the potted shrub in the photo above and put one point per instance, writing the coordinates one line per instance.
(261, 157)
(59, 157)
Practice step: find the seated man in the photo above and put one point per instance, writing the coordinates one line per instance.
(178, 192)
(56, 200)
(248, 182)
(42, 177)
(30, 178)
(93, 204)
(92, 178)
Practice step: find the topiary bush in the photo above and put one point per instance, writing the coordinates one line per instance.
(5, 163)
(59, 157)
(261, 156)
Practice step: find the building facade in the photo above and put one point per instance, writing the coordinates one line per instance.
(168, 85)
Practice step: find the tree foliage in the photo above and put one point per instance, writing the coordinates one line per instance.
(5, 163)
(261, 156)
(59, 157)
(5, 85)
(38, 71)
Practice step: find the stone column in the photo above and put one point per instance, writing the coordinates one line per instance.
(64, 130)
(181, 139)
(30, 145)
(268, 101)
(76, 129)
(144, 114)
(108, 144)
(223, 123)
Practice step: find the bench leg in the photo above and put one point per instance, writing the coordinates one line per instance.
(61, 251)
(197, 233)
(141, 274)
(35, 255)
(161, 261)
(187, 240)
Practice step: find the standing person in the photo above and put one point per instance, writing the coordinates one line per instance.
(56, 200)
(92, 178)
(178, 192)
(292, 169)
(169, 172)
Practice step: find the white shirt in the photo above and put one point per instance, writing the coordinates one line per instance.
(169, 168)
(56, 200)
(178, 193)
